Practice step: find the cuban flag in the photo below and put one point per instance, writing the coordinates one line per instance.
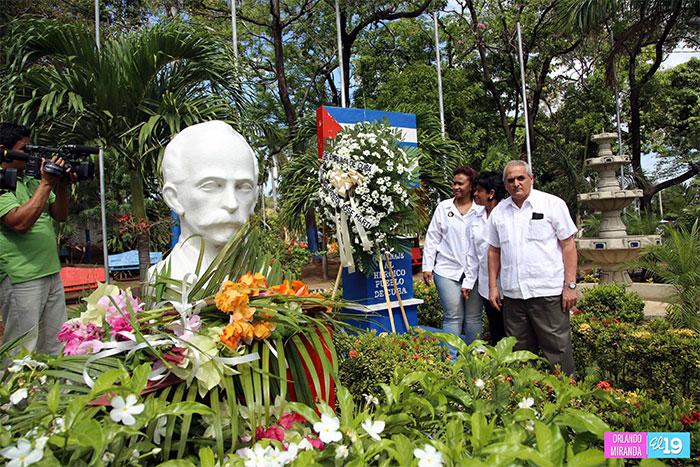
(330, 120)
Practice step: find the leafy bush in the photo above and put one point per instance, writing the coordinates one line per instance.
(635, 411)
(653, 357)
(612, 301)
(291, 256)
(502, 414)
(367, 360)
(677, 262)
(430, 312)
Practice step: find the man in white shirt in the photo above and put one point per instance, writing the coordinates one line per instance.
(532, 246)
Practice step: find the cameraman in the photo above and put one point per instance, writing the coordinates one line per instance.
(31, 292)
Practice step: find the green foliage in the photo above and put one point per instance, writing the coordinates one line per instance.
(74, 422)
(292, 257)
(368, 360)
(490, 410)
(430, 312)
(612, 301)
(130, 96)
(677, 262)
(654, 357)
(298, 184)
(635, 411)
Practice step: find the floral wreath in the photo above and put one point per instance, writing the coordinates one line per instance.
(367, 191)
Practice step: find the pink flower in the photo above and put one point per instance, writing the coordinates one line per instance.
(353, 353)
(194, 322)
(274, 432)
(287, 420)
(87, 347)
(120, 300)
(75, 334)
(316, 443)
(120, 323)
(175, 355)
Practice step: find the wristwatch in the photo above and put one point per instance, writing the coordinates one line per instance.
(571, 285)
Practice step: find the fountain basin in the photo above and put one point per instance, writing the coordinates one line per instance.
(615, 250)
(611, 200)
(607, 162)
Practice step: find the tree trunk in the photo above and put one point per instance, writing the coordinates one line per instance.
(138, 205)
(277, 27)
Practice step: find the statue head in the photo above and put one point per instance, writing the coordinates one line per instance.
(210, 179)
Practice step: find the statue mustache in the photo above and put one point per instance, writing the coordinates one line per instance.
(224, 221)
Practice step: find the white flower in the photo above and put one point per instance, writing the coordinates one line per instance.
(124, 411)
(258, 456)
(31, 363)
(22, 454)
(160, 429)
(305, 445)
(327, 429)
(341, 451)
(526, 403)
(108, 457)
(18, 396)
(370, 399)
(479, 383)
(373, 428)
(60, 425)
(428, 457)
(290, 454)
(40, 442)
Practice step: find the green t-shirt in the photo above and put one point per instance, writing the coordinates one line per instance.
(32, 255)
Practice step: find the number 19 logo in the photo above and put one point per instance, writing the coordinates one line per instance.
(668, 445)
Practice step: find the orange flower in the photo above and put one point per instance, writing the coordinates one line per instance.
(242, 313)
(231, 297)
(283, 288)
(253, 281)
(262, 329)
(297, 288)
(233, 333)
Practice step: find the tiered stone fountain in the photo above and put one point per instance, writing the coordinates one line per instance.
(613, 248)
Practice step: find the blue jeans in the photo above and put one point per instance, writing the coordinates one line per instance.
(462, 317)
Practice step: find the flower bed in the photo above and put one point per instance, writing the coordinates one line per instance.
(366, 360)
(654, 357)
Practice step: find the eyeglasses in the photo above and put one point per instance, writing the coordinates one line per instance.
(520, 178)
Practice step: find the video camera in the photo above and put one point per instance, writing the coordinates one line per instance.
(69, 153)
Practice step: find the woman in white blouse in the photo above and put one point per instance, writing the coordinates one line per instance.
(445, 253)
(488, 191)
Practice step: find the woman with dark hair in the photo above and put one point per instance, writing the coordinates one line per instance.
(445, 255)
(488, 191)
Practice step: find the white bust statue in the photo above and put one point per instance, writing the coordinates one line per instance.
(210, 177)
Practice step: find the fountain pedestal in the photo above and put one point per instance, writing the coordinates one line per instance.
(613, 247)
